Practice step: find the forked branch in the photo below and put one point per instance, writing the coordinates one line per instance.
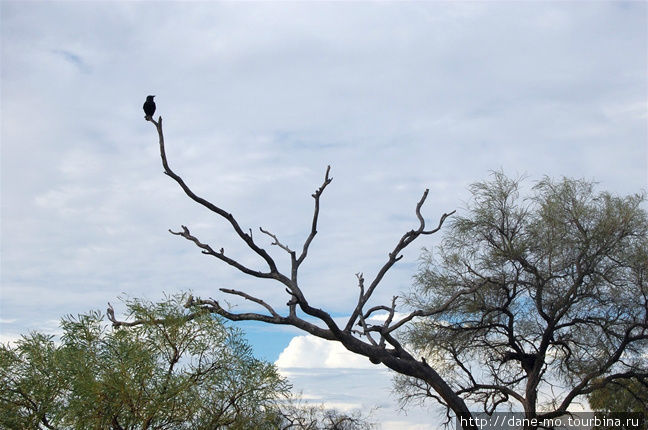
(386, 349)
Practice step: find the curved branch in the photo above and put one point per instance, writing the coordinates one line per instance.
(438, 309)
(252, 299)
(221, 255)
(247, 238)
(394, 256)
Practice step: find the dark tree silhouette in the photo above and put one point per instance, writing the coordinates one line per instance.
(554, 286)
(559, 302)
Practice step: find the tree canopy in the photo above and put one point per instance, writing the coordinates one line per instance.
(175, 371)
(535, 301)
(628, 395)
(164, 368)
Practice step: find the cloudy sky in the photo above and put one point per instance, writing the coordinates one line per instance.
(258, 98)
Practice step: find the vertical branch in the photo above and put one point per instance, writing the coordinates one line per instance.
(395, 256)
(316, 195)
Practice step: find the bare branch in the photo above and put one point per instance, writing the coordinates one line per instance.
(276, 241)
(221, 255)
(247, 238)
(390, 316)
(316, 195)
(438, 309)
(376, 309)
(441, 221)
(214, 307)
(365, 330)
(110, 314)
(394, 256)
(252, 299)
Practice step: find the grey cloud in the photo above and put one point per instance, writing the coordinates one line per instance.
(257, 100)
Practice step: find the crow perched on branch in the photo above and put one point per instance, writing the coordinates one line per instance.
(149, 108)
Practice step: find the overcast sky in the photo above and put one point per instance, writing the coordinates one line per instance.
(258, 98)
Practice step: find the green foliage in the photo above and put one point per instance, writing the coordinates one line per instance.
(629, 395)
(170, 371)
(619, 398)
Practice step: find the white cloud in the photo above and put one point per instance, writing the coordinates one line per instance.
(368, 389)
(324, 373)
(312, 352)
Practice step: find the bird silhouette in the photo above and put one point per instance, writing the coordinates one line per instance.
(149, 108)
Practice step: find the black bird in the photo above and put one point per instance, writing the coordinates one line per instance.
(149, 108)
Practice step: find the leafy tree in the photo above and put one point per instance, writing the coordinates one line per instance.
(164, 369)
(535, 301)
(618, 399)
(295, 415)
(628, 395)
(545, 291)
(167, 369)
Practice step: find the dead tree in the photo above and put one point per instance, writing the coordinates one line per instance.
(377, 342)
